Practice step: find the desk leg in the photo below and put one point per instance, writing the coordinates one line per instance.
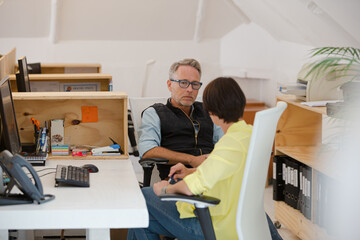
(98, 234)
(4, 234)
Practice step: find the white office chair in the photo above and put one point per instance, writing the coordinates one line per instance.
(251, 222)
(137, 106)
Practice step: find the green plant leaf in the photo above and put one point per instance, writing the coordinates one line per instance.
(340, 61)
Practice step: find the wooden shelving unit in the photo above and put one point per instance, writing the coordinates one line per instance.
(299, 136)
(102, 78)
(53, 68)
(45, 106)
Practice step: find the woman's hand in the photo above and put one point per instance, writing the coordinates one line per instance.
(158, 186)
(179, 171)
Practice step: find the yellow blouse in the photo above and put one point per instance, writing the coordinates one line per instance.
(220, 176)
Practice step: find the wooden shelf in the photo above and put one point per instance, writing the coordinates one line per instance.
(68, 95)
(88, 157)
(291, 99)
(102, 78)
(54, 68)
(315, 157)
(304, 154)
(299, 136)
(298, 224)
(45, 106)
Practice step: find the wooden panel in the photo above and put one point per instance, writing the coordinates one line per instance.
(103, 78)
(250, 111)
(112, 116)
(2, 67)
(7, 63)
(254, 103)
(10, 62)
(298, 126)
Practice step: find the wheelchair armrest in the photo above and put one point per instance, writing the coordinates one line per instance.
(146, 162)
(200, 201)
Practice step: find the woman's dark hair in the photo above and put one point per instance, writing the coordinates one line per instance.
(224, 98)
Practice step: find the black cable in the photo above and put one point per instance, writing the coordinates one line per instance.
(28, 173)
(44, 169)
(31, 178)
(46, 174)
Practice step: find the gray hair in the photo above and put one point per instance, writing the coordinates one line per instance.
(185, 62)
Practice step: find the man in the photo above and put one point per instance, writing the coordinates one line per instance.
(180, 131)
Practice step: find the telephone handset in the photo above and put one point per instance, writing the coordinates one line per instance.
(13, 166)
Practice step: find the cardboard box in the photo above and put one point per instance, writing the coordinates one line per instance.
(57, 132)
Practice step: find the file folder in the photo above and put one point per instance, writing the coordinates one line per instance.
(308, 192)
(278, 181)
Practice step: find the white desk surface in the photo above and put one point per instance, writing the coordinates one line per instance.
(114, 200)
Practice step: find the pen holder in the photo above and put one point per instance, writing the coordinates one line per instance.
(43, 141)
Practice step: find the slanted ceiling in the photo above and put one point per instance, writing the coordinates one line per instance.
(311, 22)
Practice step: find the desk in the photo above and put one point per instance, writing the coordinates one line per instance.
(114, 200)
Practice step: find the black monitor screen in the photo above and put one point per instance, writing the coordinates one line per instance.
(22, 78)
(10, 134)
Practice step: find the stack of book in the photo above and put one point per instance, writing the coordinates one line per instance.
(298, 89)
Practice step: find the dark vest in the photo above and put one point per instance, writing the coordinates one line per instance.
(178, 131)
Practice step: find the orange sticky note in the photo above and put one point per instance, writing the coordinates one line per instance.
(89, 114)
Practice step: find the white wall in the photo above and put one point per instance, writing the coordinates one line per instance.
(250, 52)
(247, 51)
(125, 60)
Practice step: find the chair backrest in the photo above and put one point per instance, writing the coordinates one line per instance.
(251, 222)
(137, 106)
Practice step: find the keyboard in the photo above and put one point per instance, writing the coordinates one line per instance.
(71, 175)
(36, 160)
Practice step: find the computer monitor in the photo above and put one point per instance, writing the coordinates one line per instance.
(10, 138)
(22, 78)
(34, 68)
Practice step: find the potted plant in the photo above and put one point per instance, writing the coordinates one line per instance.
(336, 63)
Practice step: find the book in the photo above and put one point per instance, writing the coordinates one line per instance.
(293, 89)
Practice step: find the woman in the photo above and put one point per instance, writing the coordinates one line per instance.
(218, 176)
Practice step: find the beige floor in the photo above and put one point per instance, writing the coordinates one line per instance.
(285, 233)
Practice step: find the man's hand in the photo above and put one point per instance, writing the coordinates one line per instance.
(197, 160)
(158, 186)
(175, 157)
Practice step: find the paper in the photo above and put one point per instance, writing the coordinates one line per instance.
(89, 114)
(80, 87)
(45, 86)
(319, 103)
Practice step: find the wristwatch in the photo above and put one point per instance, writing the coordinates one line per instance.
(163, 190)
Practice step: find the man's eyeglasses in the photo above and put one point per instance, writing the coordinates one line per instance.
(185, 84)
